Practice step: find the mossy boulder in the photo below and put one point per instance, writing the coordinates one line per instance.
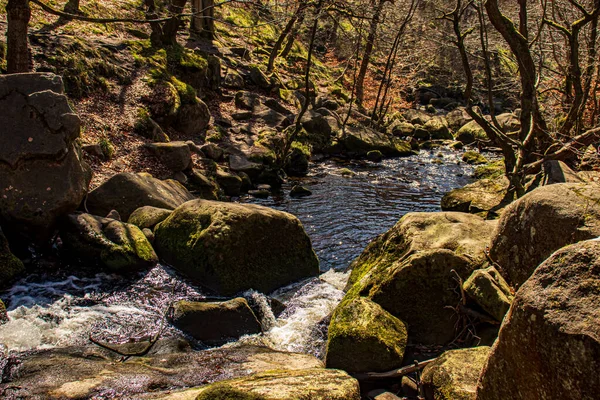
(193, 118)
(176, 156)
(490, 291)
(541, 222)
(201, 186)
(108, 243)
(126, 192)
(215, 323)
(375, 156)
(474, 158)
(411, 270)
(363, 337)
(148, 216)
(401, 129)
(438, 128)
(470, 133)
(359, 140)
(485, 197)
(313, 384)
(10, 266)
(454, 375)
(231, 247)
(549, 343)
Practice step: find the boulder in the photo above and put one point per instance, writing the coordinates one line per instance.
(277, 106)
(401, 129)
(270, 117)
(148, 216)
(215, 323)
(411, 270)
(193, 119)
(229, 182)
(247, 100)
(313, 384)
(485, 197)
(111, 244)
(10, 266)
(509, 122)
(470, 133)
(458, 118)
(363, 337)
(240, 163)
(126, 192)
(555, 171)
(202, 186)
(212, 151)
(490, 291)
(300, 191)
(541, 222)
(233, 80)
(361, 140)
(259, 78)
(42, 173)
(454, 374)
(230, 247)
(297, 163)
(438, 128)
(176, 156)
(549, 343)
(474, 158)
(375, 156)
(416, 117)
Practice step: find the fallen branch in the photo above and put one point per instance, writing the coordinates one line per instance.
(395, 373)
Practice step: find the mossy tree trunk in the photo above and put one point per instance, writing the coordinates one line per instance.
(18, 57)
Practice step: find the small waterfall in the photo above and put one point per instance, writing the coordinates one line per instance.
(261, 307)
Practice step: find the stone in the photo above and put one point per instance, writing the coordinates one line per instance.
(230, 247)
(229, 182)
(114, 214)
(411, 269)
(485, 197)
(247, 100)
(10, 266)
(509, 122)
(363, 337)
(270, 117)
(233, 80)
(181, 177)
(474, 158)
(438, 129)
(215, 323)
(242, 115)
(176, 156)
(42, 172)
(193, 119)
(454, 374)
(458, 118)
(212, 151)
(541, 222)
(276, 106)
(490, 291)
(3, 314)
(93, 149)
(149, 235)
(241, 52)
(402, 129)
(202, 186)
(549, 343)
(300, 191)
(259, 193)
(361, 140)
(240, 163)
(470, 133)
(108, 243)
(375, 156)
(555, 171)
(314, 384)
(297, 163)
(148, 216)
(416, 117)
(126, 192)
(259, 78)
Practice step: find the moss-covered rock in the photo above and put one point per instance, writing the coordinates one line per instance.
(361, 140)
(363, 337)
(108, 243)
(411, 270)
(10, 266)
(438, 128)
(453, 375)
(490, 291)
(313, 384)
(148, 216)
(470, 133)
(215, 323)
(485, 197)
(401, 129)
(474, 158)
(231, 247)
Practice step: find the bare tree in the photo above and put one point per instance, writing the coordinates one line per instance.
(18, 56)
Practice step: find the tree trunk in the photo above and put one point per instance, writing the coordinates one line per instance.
(368, 50)
(286, 31)
(204, 21)
(18, 57)
(72, 7)
(292, 36)
(172, 26)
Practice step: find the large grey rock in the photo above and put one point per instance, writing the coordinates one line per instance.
(541, 222)
(193, 119)
(230, 247)
(360, 140)
(549, 343)
(126, 192)
(42, 174)
(176, 156)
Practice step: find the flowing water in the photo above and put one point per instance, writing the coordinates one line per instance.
(341, 217)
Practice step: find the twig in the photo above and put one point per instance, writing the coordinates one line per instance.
(395, 373)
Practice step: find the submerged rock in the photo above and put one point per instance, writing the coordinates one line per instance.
(363, 337)
(454, 375)
(10, 266)
(126, 192)
(549, 343)
(112, 244)
(541, 222)
(42, 173)
(230, 247)
(300, 191)
(215, 323)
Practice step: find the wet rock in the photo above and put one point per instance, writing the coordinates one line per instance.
(485, 197)
(148, 216)
(176, 156)
(297, 163)
(438, 128)
(490, 291)
(315, 384)
(89, 372)
(229, 182)
(108, 243)
(259, 193)
(549, 343)
(375, 156)
(409, 270)
(42, 173)
(212, 151)
(10, 266)
(300, 191)
(236, 247)
(363, 337)
(470, 133)
(453, 375)
(474, 158)
(215, 323)
(361, 140)
(126, 192)
(541, 222)
(193, 119)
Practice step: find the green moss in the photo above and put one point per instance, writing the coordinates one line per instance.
(216, 134)
(346, 172)
(302, 147)
(223, 391)
(474, 158)
(108, 149)
(492, 170)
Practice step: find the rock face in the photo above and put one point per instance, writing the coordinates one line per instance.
(42, 174)
(126, 192)
(231, 247)
(409, 270)
(549, 343)
(453, 376)
(541, 222)
(215, 323)
(114, 245)
(314, 384)
(485, 197)
(363, 337)
(10, 266)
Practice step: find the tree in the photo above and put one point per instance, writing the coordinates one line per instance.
(18, 56)
(203, 21)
